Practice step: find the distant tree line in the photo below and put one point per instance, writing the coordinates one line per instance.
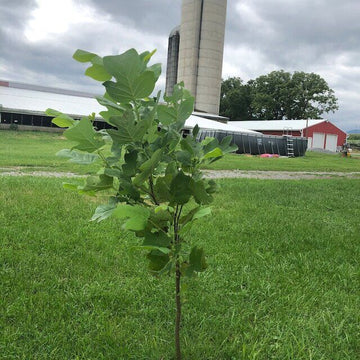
(277, 95)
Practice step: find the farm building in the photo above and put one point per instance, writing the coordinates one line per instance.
(321, 134)
(24, 105)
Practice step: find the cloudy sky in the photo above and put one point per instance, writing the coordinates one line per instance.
(38, 38)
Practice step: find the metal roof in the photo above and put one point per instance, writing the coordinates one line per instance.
(36, 101)
(279, 125)
(22, 98)
(214, 125)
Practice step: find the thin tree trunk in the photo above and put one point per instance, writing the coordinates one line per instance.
(177, 283)
(178, 312)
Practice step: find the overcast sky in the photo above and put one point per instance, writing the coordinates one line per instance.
(38, 38)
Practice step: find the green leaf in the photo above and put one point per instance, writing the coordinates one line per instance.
(131, 90)
(125, 67)
(60, 119)
(84, 134)
(185, 110)
(203, 211)
(158, 239)
(195, 131)
(130, 166)
(148, 167)
(197, 262)
(163, 250)
(136, 215)
(180, 189)
(157, 260)
(128, 130)
(162, 188)
(199, 192)
(98, 72)
(97, 183)
(156, 69)
(195, 214)
(83, 56)
(144, 85)
(77, 157)
(166, 114)
(104, 211)
(213, 153)
(110, 104)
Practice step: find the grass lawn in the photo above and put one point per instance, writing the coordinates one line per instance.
(37, 150)
(312, 161)
(282, 283)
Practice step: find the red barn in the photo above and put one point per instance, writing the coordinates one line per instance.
(321, 134)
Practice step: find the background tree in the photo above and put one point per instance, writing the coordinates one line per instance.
(235, 102)
(277, 95)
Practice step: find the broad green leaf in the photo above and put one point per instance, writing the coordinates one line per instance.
(102, 212)
(110, 104)
(144, 85)
(180, 189)
(195, 131)
(197, 262)
(163, 250)
(185, 110)
(148, 167)
(213, 153)
(166, 114)
(225, 142)
(157, 260)
(97, 183)
(184, 157)
(128, 130)
(83, 56)
(156, 69)
(135, 216)
(159, 239)
(126, 90)
(199, 192)
(130, 166)
(77, 157)
(60, 119)
(162, 188)
(210, 145)
(125, 67)
(113, 172)
(146, 56)
(98, 72)
(84, 134)
(195, 214)
(203, 211)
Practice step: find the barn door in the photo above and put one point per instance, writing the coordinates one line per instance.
(331, 142)
(318, 140)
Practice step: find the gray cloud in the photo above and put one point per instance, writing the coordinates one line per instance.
(261, 35)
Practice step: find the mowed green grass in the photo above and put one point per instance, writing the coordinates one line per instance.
(282, 282)
(312, 161)
(36, 151)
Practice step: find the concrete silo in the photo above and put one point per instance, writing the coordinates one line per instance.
(201, 48)
(172, 60)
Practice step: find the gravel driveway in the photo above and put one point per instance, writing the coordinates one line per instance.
(212, 174)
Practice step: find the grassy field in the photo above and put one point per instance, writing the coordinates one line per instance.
(282, 283)
(36, 151)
